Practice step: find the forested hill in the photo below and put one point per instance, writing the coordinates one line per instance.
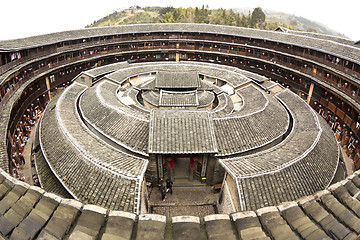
(254, 18)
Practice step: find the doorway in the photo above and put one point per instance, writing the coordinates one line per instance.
(182, 167)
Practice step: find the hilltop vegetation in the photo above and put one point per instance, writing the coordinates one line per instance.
(255, 18)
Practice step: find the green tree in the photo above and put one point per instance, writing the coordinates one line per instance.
(257, 17)
(166, 10)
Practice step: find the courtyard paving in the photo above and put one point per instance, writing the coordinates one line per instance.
(190, 200)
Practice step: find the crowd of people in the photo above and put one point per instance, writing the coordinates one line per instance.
(344, 135)
(20, 138)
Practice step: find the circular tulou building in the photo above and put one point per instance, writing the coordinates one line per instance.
(228, 107)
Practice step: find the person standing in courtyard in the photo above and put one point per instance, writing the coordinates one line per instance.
(163, 193)
(169, 184)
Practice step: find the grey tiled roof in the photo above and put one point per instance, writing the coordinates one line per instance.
(47, 178)
(231, 74)
(165, 79)
(253, 98)
(32, 213)
(148, 85)
(307, 176)
(115, 120)
(181, 132)
(304, 133)
(92, 146)
(240, 133)
(225, 106)
(134, 69)
(178, 99)
(205, 98)
(268, 84)
(107, 92)
(322, 36)
(133, 93)
(84, 177)
(296, 39)
(232, 77)
(151, 97)
(305, 162)
(205, 85)
(255, 76)
(98, 71)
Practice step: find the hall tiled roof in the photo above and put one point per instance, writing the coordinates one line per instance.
(178, 99)
(176, 80)
(181, 132)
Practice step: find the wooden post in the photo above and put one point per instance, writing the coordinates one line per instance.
(48, 86)
(160, 166)
(310, 93)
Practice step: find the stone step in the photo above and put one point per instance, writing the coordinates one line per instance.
(185, 182)
(188, 184)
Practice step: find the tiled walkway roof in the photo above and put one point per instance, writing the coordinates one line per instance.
(106, 92)
(95, 72)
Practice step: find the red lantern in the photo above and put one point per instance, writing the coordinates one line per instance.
(191, 163)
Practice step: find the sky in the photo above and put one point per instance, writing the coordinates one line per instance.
(23, 18)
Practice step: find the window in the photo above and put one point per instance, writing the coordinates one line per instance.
(82, 79)
(52, 78)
